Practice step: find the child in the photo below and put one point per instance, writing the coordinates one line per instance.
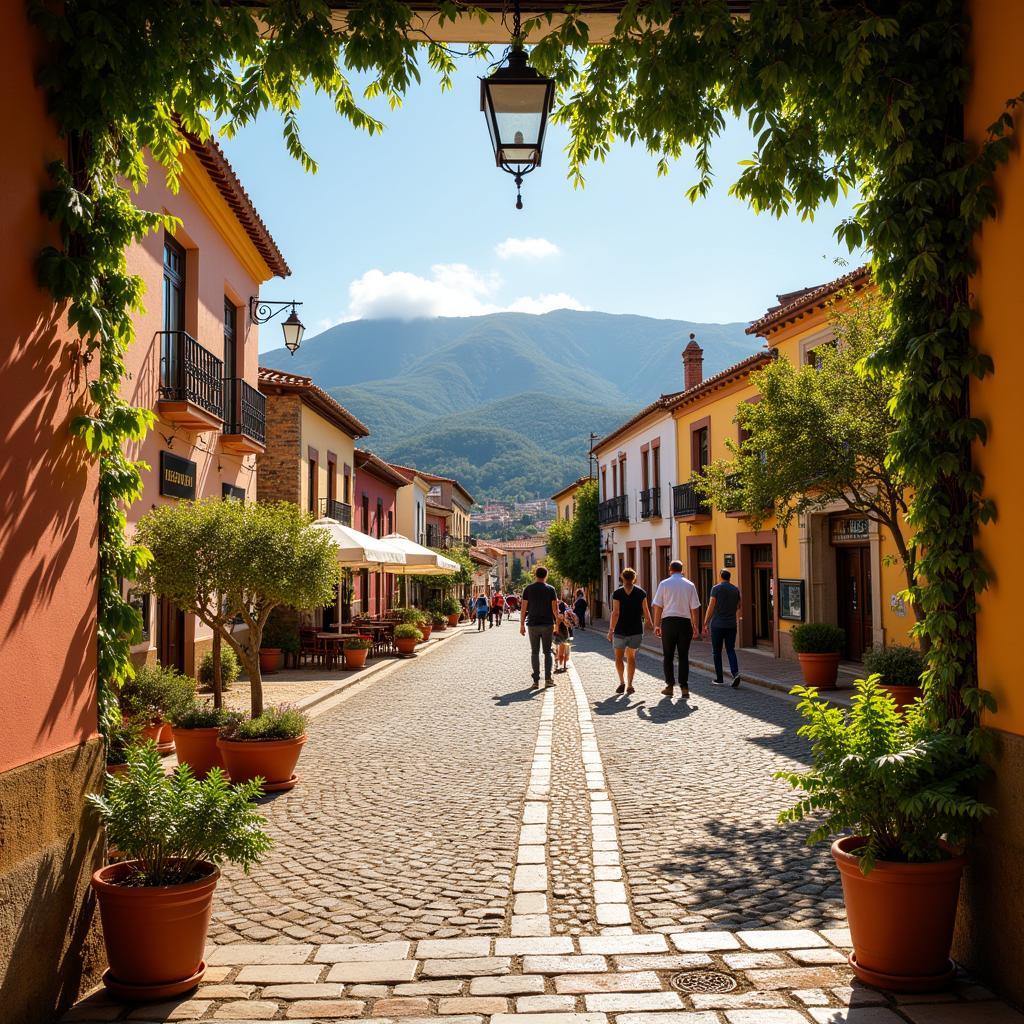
(562, 643)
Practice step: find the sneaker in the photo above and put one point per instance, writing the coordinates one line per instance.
(549, 681)
(536, 683)
(667, 691)
(717, 682)
(736, 680)
(621, 688)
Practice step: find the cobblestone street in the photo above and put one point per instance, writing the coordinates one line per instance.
(461, 849)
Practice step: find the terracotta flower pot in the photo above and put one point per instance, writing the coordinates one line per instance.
(439, 626)
(406, 645)
(424, 632)
(198, 749)
(270, 660)
(903, 695)
(154, 935)
(820, 670)
(164, 741)
(274, 760)
(453, 620)
(116, 769)
(901, 919)
(355, 657)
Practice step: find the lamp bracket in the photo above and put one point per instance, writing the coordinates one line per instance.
(263, 310)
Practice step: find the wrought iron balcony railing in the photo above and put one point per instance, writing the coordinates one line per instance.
(339, 511)
(650, 503)
(190, 373)
(614, 510)
(687, 502)
(245, 410)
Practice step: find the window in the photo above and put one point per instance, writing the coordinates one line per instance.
(230, 336)
(139, 600)
(604, 484)
(644, 470)
(391, 522)
(615, 479)
(622, 475)
(345, 486)
(814, 355)
(174, 285)
(332, 479)
(380, 517)
(656, 465)
(311, 485)
(366, 513)
(700, 445)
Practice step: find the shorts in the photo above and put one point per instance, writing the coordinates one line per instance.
(620, 643)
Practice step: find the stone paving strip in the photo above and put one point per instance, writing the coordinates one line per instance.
(590, 979)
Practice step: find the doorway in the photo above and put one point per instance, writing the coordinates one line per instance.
(762, 596)
(170, 635)
(702, 561)
(853, 598)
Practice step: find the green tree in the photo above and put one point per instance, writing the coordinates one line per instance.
(223, 559)
(822, 435)
(574, 544)
(447, 582)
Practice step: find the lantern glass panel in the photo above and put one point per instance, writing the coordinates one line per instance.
(519, 110)
(293, 329)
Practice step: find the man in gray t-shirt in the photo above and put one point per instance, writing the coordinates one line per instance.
(720, 621)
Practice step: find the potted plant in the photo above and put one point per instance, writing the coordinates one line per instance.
(900, 670)
(272, 647)
(196, 730)
(423, 624)
(407, 636)
(174, 832)
(900, 795)
(438, 620)
(151, 697)
(229, 669)
(267, 747)
(818, 645)
(452, 609)
(120, 739)
(356, 649)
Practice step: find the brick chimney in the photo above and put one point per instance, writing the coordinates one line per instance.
(693, 364)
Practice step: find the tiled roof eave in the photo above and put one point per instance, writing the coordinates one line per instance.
(806, 302)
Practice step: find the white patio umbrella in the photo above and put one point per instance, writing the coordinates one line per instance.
(359, 550)
(418, 560)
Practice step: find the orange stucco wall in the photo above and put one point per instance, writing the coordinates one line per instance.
(998, 74)
(48, 487)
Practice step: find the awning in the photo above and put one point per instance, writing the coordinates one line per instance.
(418, 560)
(359, 550)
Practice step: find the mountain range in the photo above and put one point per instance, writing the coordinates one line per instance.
(504, 402)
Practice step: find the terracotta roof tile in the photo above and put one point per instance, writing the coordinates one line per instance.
(281, 381)
(379, 468)
(792, 304)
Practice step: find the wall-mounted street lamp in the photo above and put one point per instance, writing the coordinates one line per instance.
(293, 328)
(516, 100)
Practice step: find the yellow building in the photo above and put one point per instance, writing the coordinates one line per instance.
(565, 499)
(834, 566)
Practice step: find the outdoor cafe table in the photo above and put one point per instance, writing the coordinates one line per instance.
(333, 644)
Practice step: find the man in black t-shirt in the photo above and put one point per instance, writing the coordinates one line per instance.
(626, 630)
(540, 604)
(722, 613)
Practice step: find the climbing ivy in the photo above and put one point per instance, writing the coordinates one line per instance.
(837, 95)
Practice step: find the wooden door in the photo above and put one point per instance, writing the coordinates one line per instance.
(703, 570)
(853, 580)
(762, 595)
(170, 635)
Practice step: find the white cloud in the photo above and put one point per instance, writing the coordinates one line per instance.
(453, 289)
(530, 248)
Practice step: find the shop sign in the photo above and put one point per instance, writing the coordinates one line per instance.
(231, 491)
(177, 476)
(729, 561)
(850, 530)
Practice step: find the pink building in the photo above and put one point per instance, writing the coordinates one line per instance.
(375, 513)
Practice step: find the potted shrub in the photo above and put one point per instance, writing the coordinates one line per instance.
(120, 739)
(423, 624)
(196, 730)
(818, 645)
(151, 697)
(900, 670)
(229, 669)
(267, 747)
(900, 795)
(174, 832)
(452, 610)
(272, 647)
(407, 636)
(356, 649)
(438, 619)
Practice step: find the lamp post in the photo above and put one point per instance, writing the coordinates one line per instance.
(293, 328)
(516, 100)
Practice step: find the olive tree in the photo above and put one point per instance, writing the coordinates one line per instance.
(221, 560)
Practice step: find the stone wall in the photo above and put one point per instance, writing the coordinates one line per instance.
(278, 474)
(50, 843)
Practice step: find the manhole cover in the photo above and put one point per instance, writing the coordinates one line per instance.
(703, 981)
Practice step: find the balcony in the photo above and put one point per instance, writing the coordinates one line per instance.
(435, 537)
(650, 503)
(733, 498)
(191, 383)
(689, 505)
(245, 418)
(336, 510)
(614, 510)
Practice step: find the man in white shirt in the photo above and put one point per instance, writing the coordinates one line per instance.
(676, 609)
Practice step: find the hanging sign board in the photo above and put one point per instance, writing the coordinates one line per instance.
(850, 530)
(177, 476)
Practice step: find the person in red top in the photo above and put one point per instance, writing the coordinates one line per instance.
(497, 607)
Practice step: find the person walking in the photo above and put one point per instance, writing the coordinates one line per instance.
(720, 622)
(580, 608)
(497, 607)
(676, 609)
(626, 629)
(562, 638)
(482, 606)
(538, 613)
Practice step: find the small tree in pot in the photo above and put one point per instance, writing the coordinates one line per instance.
(174, 833)
(902, 794)
(817, 646)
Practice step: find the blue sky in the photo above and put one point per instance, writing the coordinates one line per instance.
(418, 221)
